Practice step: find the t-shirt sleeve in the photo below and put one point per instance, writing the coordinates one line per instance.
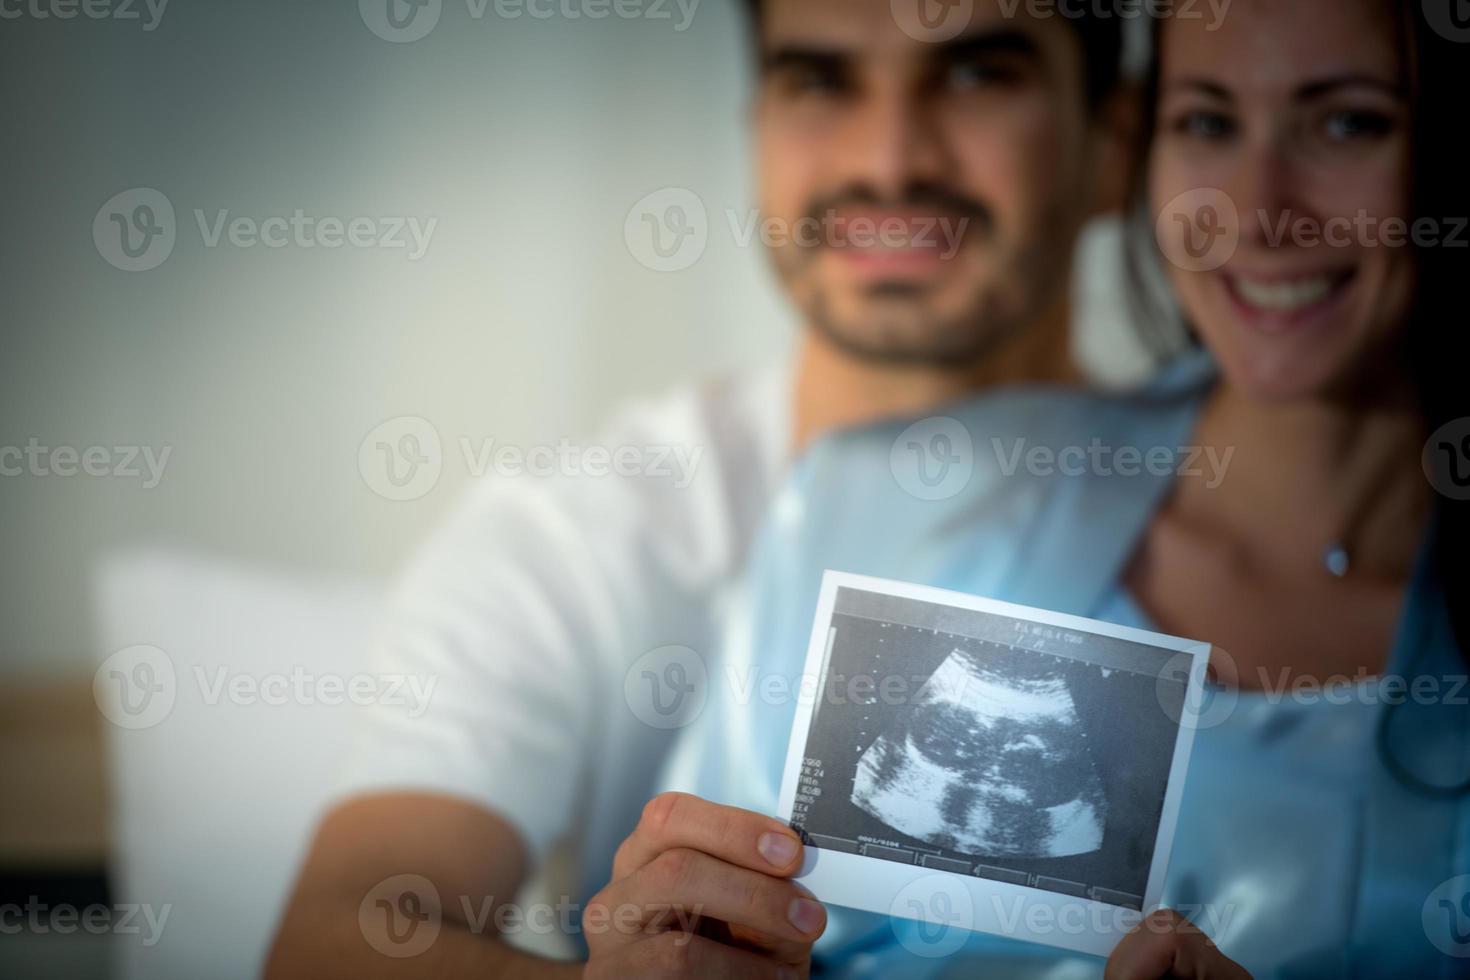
(500, 614)
(531, 607)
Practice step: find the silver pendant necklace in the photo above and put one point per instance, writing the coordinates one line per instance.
(1337, 559)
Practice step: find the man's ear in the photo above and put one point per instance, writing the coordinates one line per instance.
(1115, 132)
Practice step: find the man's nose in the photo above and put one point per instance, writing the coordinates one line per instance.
(893, 144)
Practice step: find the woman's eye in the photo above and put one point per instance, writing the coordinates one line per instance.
(1356, 125)
(1205, 125)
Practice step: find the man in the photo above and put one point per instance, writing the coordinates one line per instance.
(933, 180)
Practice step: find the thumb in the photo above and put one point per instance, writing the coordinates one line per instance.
(1168, 945)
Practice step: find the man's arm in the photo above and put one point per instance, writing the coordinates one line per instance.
(356, 912)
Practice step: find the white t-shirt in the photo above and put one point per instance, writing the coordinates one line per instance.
(529, 607)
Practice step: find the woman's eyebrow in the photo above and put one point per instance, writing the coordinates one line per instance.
(1326, 86)
(1202, 85)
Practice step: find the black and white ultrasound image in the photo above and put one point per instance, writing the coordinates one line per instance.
(988, 755)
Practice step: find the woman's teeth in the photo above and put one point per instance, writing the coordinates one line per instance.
(1285, 296)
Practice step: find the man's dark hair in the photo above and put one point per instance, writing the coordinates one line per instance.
(1100, 34)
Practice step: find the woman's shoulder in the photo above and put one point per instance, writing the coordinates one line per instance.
(996, 493)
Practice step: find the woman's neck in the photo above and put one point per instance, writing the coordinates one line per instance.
(1314, 473)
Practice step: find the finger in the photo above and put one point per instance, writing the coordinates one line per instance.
(739, 837)
(677, 954)
(1168, 945)
(773, 913)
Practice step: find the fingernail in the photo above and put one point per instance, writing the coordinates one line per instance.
(805, 914)
(778, 849)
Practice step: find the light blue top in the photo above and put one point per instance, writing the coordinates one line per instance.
(1296, 849)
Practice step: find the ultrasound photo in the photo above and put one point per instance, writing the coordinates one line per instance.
(989, 745)
(992, 761)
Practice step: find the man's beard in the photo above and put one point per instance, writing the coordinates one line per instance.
(908, 337)
(896, 327)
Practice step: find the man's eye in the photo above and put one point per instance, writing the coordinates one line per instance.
(1205, 125)
(968, 76)
(813, 81)
(1352, 125)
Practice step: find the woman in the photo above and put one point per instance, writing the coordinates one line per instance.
(1325, 824)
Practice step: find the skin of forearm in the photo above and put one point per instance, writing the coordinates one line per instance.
(317, 948)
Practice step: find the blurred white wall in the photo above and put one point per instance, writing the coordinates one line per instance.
(263, 369)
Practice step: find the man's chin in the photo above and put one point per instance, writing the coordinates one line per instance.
(909, 335)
